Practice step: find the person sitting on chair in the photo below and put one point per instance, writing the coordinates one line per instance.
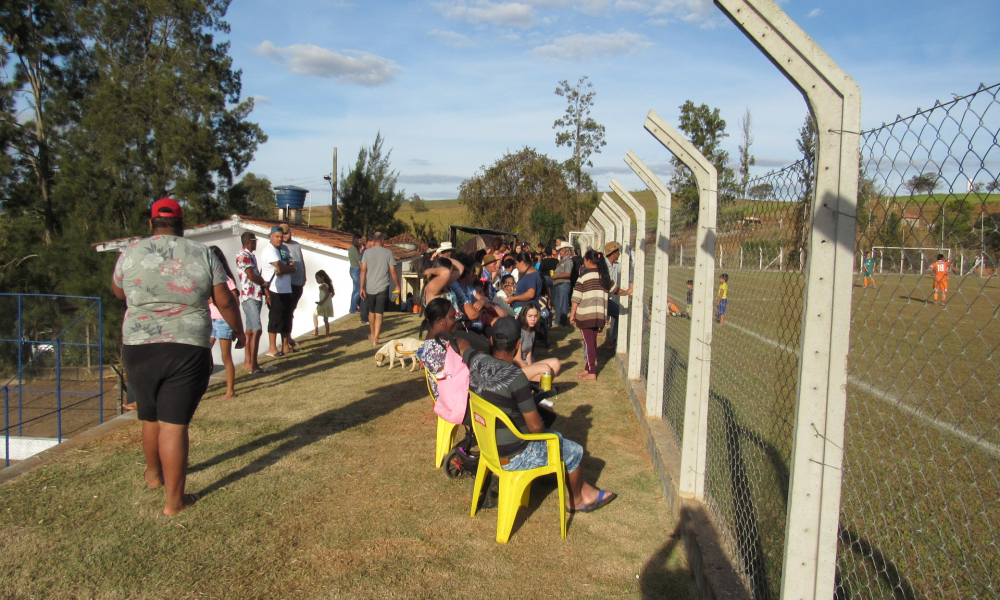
(495, 379)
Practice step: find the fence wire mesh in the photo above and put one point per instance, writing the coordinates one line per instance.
(647, 296)
(51, 369)
(921, 495)
(754, 367)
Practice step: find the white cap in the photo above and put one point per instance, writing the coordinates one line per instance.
(445, 246)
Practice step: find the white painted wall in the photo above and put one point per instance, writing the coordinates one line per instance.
(332, 260)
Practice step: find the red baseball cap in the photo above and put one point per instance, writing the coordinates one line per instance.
(167, 207)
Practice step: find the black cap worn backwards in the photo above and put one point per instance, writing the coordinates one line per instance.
(506, 329)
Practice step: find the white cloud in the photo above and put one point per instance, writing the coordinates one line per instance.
(692, 11)
(587, 6)
(356, 67)
(258, 99)
(423, 162)
(815, 12)
(506, 14)
(582, 47)
(456, 40)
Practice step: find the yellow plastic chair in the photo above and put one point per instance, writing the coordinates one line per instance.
(515, 486)
(445, 430)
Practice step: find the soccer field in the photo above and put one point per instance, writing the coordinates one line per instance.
(921, 491)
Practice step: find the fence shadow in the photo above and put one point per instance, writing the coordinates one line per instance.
(379, 402)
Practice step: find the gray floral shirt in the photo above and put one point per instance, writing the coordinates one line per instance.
(167, 281)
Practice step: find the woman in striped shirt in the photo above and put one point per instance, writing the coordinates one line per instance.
(590, 305)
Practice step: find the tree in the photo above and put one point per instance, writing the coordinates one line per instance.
(418, 204)
(705, 128)
(807, 177)
(128, 102)
(162, 117)
(425, 232)
(761, 191)
(503, 195)
(546, 223)
(253, 197)
(925, 183)
(369, 199)
(581, 133)
(747, 159)
(42, 40)
(993, 185)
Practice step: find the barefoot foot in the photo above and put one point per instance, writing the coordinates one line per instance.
(187, 501)
(153, 480)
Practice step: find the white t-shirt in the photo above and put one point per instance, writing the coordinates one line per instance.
(281, 284)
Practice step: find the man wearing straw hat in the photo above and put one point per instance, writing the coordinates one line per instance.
(561, 286)
(612, 251)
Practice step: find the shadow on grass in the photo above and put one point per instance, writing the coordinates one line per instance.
(380, 402)
(657, 580)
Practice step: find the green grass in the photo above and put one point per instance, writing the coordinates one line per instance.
(973, 199)
(916, 496)
(317, 483)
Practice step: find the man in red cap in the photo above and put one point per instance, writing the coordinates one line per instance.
(166, 280)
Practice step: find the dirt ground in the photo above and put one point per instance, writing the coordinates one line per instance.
(317, 482)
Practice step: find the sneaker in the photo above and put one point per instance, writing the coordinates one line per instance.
(546, 403)
(364, 322)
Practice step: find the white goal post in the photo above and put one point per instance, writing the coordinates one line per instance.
(901, 258)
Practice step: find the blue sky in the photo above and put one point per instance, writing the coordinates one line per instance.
(454, 84)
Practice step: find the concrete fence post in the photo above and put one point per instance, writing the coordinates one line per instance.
(694, 448)
(834, 99)
(625, 226)
(658, 306)
(637, 304)
(605, 225)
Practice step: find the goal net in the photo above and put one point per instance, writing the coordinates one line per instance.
(905, 259)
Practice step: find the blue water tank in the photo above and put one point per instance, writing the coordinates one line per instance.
(291, 197)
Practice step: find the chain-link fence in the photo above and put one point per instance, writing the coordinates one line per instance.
(51, 370)
(921, 494)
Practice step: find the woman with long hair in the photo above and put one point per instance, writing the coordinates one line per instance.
(439, 318)
(590, 305)
(222, 331)
(529, 319)
(324, 306)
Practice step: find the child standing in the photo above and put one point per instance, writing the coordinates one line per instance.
(723, 297)
(690, 298)
(868, 268)
(324, 306)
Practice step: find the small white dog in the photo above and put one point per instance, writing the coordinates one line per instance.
(398, 349)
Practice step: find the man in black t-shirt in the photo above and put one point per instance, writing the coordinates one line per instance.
(498, 381)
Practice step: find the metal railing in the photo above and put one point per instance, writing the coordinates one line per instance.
(52, 366)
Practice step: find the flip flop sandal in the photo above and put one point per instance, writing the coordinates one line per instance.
(603, 499)
(278, 355)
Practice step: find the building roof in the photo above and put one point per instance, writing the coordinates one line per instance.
(408, 238)
(316, 236)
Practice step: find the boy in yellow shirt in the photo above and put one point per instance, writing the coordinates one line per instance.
(723, 297)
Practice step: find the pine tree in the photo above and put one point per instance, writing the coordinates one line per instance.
(368, 198)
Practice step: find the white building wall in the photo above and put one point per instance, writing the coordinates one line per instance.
(332, 260)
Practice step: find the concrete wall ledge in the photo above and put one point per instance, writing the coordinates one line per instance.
(74, 442)
(715, 576)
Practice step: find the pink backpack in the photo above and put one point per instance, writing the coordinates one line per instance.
(453, 388)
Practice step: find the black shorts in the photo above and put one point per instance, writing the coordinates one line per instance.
(279, 319)
(378, 302)
(296, 296)
(167, 381)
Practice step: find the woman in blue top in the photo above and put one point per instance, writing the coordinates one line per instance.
(529, 284)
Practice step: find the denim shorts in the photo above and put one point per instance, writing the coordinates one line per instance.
(251, 313)
(722, 306)
(221, 330)
(536, 454)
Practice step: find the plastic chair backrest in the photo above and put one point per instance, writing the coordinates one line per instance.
(484, 422)
(430, 390)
